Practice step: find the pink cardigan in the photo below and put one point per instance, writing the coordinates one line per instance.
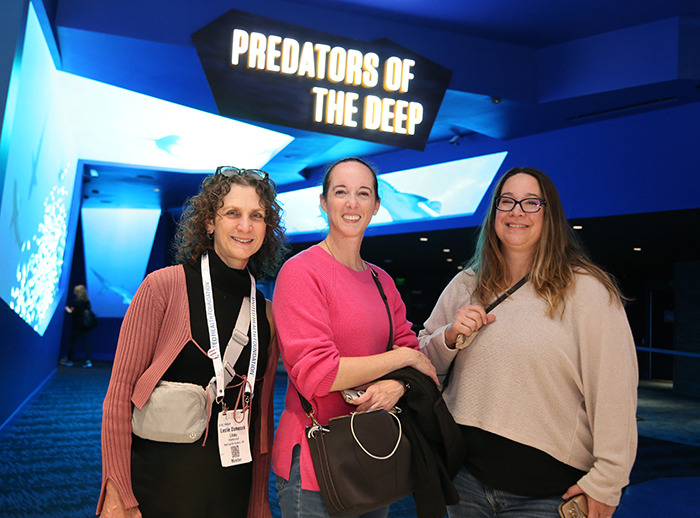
(155, 329)
(324, 310)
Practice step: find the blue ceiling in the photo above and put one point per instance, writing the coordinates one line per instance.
(541, 59)
(520, 70)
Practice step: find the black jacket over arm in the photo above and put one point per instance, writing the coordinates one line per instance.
(437, 443)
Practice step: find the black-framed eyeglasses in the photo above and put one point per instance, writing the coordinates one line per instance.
(227, 170)
(529, 205)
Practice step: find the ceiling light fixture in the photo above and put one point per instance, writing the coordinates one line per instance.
(424, 239)
(578, 227)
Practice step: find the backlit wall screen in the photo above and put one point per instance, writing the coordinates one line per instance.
(433, 194)
(118, 244)
(37, 187)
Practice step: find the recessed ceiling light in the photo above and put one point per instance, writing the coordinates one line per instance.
(446, 250)
(578, 227)
(460, 267)
(637, 249)
(423, 238)
(449, 259)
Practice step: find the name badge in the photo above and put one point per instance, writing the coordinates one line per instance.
(234, 442)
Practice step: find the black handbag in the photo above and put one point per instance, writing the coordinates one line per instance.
(89, 319)
(363, 460)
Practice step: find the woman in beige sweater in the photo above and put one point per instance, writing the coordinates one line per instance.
(544, 387)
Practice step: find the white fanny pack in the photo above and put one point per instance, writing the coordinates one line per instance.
(179, 412)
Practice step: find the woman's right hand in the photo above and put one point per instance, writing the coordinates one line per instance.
(468, 320)
(418, 361)
(113, 507)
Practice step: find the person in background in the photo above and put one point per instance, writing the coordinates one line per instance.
(232, 230)
(78, 330)
(544, 387)
(333, 332)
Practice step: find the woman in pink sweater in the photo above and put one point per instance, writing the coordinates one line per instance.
(333, 331)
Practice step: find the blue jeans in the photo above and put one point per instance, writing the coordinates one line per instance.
(296, 502)
(479, 501)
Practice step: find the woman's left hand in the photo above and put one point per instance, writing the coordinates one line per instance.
(596, 509)
(383, 394)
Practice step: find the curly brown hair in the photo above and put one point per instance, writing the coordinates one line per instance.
(558, 257)
(191, 239)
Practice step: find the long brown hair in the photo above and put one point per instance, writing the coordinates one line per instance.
(192, 240)
(558, 257)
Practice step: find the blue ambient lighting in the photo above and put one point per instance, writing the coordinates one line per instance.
(38, 187)
(117, 245)
(430, 194)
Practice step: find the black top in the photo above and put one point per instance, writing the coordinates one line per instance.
(230, 286)
(187, 480)
(514, 467)
(79, 306)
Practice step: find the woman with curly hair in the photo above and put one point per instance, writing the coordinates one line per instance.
(175, 335)
(544, 386)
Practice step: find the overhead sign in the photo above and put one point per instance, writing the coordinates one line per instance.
(269, 71)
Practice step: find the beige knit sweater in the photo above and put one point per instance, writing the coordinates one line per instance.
(567, 386)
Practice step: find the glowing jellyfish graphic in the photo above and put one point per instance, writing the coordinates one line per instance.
(38, 277)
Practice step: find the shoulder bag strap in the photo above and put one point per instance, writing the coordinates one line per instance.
(488, 309)
(238, 340)
(304, 403)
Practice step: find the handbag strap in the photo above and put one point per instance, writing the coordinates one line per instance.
(488, 309)
(375, 277)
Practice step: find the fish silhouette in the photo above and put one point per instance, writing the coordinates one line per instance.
(406, 205)
(167, 143)
(14, 222)
(108, 286)
(35, 162)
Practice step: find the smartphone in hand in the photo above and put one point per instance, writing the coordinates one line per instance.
(351, 395)
(576, 507)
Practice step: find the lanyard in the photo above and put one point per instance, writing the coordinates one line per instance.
(214, 351)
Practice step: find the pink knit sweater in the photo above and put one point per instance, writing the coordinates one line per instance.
(155, 329)
(324, 310)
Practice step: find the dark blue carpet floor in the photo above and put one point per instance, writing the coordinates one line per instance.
(50, 458)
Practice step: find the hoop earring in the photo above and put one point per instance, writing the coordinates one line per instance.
(210, 235)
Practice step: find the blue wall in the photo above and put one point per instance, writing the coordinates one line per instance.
(639, 163)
